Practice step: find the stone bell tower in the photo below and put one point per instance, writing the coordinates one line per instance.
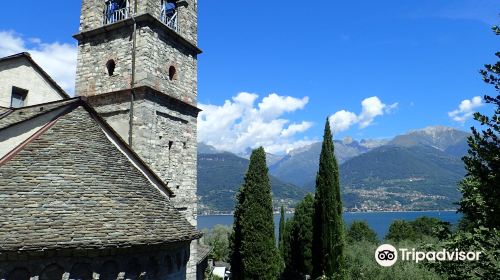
(137, 66)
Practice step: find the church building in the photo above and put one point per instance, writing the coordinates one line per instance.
(103, 185)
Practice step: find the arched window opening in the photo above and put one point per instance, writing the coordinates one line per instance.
(52, 272)
(172, 73)
(110, 66)
(19, 274)
(81, 271)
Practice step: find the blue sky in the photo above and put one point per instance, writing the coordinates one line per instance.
(413, 62)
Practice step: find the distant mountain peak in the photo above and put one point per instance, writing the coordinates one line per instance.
(204, 148)
(433, 130)
(347, 140)
(439, 137)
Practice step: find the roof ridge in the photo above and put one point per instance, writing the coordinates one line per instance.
(63, 102)
(30, 139)
(76, 179)
(27, 55)
(125, 145)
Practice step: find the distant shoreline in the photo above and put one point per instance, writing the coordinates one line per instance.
(358, 212)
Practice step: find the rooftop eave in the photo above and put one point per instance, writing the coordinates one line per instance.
(27, 56)
(145, 17)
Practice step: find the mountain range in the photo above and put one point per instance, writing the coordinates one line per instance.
(418, 170)
(220, 174)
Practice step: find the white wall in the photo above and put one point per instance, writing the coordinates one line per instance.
(13, 136)
(19, 72)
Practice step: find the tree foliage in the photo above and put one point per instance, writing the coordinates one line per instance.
(419, 229)
(328, 234)
(218, 239)
(360, 231)
(481, 187)
(254, 252)
(480, 204)
(362, 265)
(297, 241)
(281, 229)
(400, 230)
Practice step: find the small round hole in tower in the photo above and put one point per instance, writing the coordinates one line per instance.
(110, 65)
(172, 73)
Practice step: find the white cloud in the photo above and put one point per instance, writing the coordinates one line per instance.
(296, 128)
(57, 59)
(343, 120)
(239, 124)
(274, 105)
(371, 108)
(466, 109)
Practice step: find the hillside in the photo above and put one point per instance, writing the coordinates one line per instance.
(414, 171)
(299, 166)
(416, 177)
(220, 175)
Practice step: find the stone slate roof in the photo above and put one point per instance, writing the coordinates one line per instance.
(3, 110)
(13, 116)
(71, 187)
(203, 251)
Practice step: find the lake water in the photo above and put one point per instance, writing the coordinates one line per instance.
(378, 221)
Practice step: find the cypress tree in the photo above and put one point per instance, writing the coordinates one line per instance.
(304, 223)
(298, 240)
(254, 253)
(281, 229)
(328, 227)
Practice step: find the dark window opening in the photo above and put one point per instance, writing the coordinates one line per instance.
(19, 274)
(172, 73)
(109, 271)
(18, 97)
(81, 271)
(133, 271)
(170, 143)
(184, 145)
(169, 266)
(52, 272)
(178, 260)
(110, 65)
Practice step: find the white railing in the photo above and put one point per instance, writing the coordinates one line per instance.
(112, 17)
(170, 20)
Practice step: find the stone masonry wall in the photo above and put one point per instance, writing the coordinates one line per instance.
(187, 16)
(91, 15)
(92, 12)
(164, 136)
(164, 130)
(93, 53)
(159, 263)
(156, 53)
